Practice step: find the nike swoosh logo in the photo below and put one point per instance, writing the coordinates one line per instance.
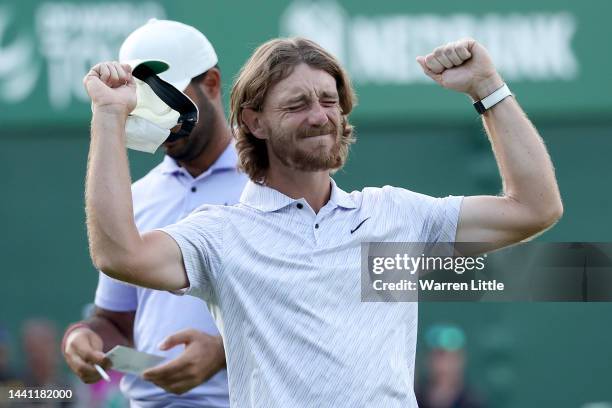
(360, 224)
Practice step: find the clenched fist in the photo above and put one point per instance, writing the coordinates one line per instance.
(111, 87)
(464, 66)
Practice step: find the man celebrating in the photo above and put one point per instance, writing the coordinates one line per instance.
(281, 270)
(201, 168)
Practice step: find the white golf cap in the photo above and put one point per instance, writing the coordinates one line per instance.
(186, 50)
(160, 107)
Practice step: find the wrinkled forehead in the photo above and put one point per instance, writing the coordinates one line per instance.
(303, 82)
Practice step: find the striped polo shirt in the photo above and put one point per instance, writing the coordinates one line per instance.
(283, 284)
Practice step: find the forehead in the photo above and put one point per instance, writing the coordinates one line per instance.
(304, 80)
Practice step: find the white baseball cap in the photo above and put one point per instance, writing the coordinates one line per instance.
(160, 107)
(185, 49)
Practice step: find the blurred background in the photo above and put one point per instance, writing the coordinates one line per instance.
(411, 133)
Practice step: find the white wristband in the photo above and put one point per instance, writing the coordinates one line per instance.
(493, 99)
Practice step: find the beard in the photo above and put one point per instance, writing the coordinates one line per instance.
(283, 144)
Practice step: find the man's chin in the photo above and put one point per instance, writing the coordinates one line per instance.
(320, 160)
(175, 149)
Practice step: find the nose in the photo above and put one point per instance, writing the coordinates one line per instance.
(317, 115)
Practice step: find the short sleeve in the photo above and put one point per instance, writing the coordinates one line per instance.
(444, 219)
(115, 295)
(436, 219)
(200, 238)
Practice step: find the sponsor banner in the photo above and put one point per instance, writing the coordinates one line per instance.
(548, 52)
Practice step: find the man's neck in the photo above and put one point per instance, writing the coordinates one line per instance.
(217, 145)
(315, 187)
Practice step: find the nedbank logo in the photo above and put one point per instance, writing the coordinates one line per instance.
(380, 49)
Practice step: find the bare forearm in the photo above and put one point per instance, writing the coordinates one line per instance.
(525, 166)
(531, 201)
(154, 259)
(110, 222)
(110, 333)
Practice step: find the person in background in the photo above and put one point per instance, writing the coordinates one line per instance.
(445, 385)
(39, 341)
(8, 377)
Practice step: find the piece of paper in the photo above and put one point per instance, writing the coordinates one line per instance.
(132, 361)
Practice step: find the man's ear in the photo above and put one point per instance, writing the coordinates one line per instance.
(212, 83)
(252, 120)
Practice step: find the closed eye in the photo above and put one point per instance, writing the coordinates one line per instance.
(329, 103)
(294, 108)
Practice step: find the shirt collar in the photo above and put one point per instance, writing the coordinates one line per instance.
(268, 199)
(227, 161)
(340, 197)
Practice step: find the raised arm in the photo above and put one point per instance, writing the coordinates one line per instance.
(530, 202)
(154, 259)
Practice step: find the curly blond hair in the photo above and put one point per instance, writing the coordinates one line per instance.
(272, 62)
